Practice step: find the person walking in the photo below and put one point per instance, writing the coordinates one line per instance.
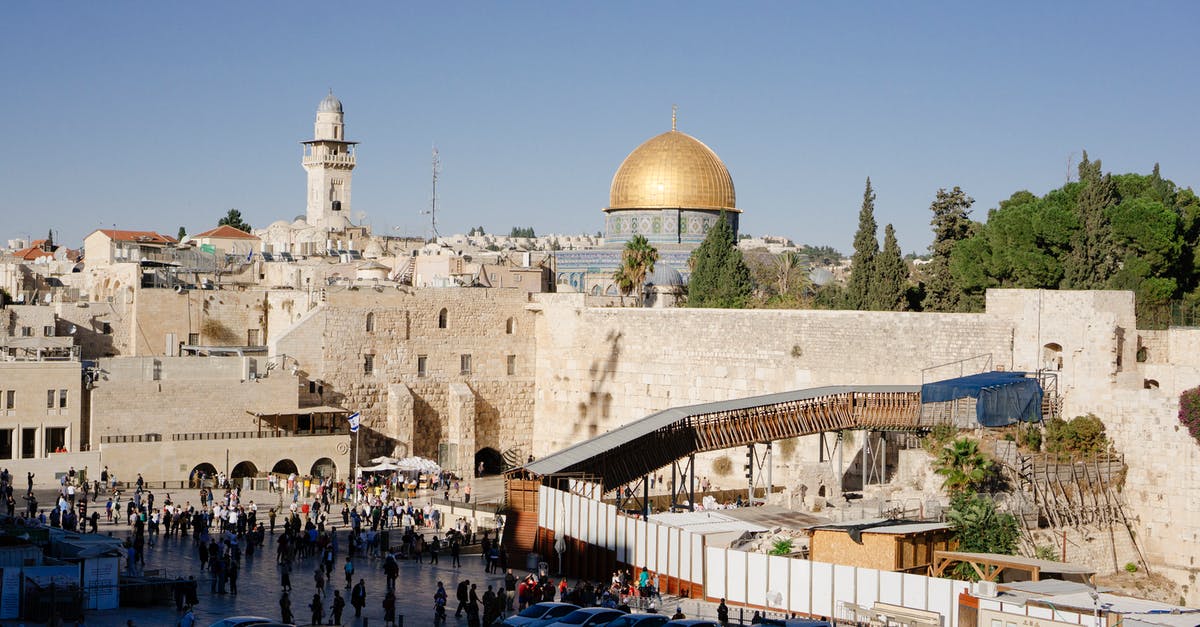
(339, 604)
(285, 609)
(358, 597)
(455, 549)
(349, 569)
(318, 610)
(389, 608)
(461, 595)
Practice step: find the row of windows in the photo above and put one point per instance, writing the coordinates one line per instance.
(54, 398)
(464, 364)
(24, 445)
(47, 331)
(509, 326)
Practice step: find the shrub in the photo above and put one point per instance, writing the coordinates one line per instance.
(1044, 552)
(1030, 437)
(1189, 411)
(938, 437)
(782, 547)
(722, 466)
(1131, 567)
(1082, 434)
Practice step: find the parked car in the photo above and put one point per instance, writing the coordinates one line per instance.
(639, 620)
(692, 622)
(538, 613)
(587, 617)
(241, 621)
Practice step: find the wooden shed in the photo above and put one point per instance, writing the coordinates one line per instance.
(901, 546)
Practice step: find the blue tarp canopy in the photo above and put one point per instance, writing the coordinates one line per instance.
(1003, 397)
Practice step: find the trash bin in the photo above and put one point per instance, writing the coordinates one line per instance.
(531, 562)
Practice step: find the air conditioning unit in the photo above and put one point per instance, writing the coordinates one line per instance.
(985, 589)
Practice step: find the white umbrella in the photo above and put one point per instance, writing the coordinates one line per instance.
(419, 464)
(381, 468)
(384, 460)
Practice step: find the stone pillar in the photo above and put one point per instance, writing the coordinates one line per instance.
(461, 427)
(400, 418)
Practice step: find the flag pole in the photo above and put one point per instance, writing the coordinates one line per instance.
(356, 440)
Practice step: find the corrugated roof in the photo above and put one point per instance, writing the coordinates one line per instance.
(137, 236)
(564, 460)
(1045, 566)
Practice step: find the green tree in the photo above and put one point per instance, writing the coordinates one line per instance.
(866, 248)
(527, 232)
(1093, 257)
(182, 233)
(963, 466)
(891, 275)
(637, 262)
(980, 528)
(951, 225)
(234, 219)
(720, 277)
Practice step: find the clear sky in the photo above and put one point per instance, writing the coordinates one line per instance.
(153, 115)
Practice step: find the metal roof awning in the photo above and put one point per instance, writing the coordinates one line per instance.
(301, 411)
(635, 449)
(989, 566)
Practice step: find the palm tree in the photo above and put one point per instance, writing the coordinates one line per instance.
(963, 465)
(637, 262)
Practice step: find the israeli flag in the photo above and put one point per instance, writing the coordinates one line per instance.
(354, 420)
(250, 255)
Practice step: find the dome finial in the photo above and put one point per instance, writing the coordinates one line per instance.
(674, 116)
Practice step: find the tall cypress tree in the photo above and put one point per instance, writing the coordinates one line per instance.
(951, 224)
(891, 275)
(1093, 258)
(720, 277)
(866, 248)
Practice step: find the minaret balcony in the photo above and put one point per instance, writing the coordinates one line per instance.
(329, 159)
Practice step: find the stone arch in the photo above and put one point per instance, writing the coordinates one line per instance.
(244, 469)
(492, 460)
(595, 290)
(1150, 384)
(442, 315)
(510, 326)
(205, 469)
(1052, 356)
(370, 322)
(284, 467)
(612, 290)
(324, 468)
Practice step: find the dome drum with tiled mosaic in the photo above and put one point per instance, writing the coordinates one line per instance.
(670, 190)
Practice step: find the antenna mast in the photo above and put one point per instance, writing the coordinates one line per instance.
(437, 168)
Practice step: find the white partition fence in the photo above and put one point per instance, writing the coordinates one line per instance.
(662, 549)
(779, 583)
(794, 585)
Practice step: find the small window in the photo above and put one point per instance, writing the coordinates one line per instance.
(517, 278)
(62, 398)
(49, 399)
(368, 364)
(512, 365)
(106, 328)
(48, 331)
(193, 338)
(370, 322)
(252, 336)
(510, 326)
(422, 365)
(312, 387)
(442, 318)
(26, 331)
(464, 364)
(6, 443)
(10, 399)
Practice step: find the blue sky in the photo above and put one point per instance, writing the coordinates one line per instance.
(157, 115)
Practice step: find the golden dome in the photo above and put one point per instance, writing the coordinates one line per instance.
(672, 170)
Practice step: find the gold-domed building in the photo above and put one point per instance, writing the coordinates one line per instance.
(671, 190)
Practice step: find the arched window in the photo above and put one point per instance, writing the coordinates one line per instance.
(370, 322)
(442, 318)
(1150, 384)
(510, 326)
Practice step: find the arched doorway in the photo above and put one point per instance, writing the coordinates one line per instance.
(203, 471)
(324, 468)
(244, 469)
(491, 460)
(285, 467)
(1052, 358)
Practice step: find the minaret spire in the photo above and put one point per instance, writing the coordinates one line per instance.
(674, 115)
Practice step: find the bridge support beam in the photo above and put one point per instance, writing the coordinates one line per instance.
(679, 473)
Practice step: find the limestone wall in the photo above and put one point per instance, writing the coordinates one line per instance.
(332, 342)
(598, 368)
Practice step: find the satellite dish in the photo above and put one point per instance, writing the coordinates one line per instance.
(72, 330)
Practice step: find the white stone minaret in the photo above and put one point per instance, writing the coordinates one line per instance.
(329, 161)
